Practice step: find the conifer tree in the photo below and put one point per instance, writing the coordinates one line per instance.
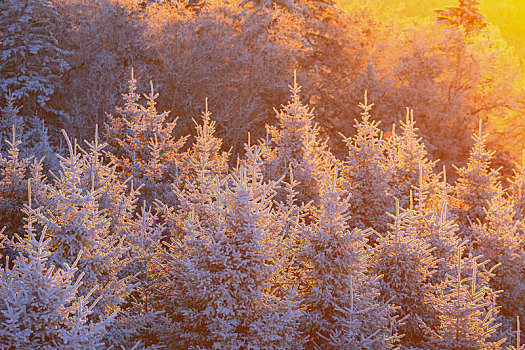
(206, 159)
(340, 299)
(31, 131)
(37, 142)
(476, 184)
(441, 232)
(366, 174)
(138, 319)
(39, 304)
(407, 264)
(13, 186)
(10, 118)
(499, 240)
(142, 144)
(466, 308)
(466, 15)
(220, 273)
(295, 141)
(76, 223)
(289, 237)
(32, 61)
(408, 158)
(117, 197)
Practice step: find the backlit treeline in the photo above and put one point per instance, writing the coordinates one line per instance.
(145, 240)
(66, 61)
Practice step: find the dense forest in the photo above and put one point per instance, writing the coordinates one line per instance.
(258, 174)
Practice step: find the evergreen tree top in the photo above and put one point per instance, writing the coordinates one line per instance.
(466, 14)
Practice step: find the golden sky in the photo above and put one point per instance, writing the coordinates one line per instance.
(508, 15)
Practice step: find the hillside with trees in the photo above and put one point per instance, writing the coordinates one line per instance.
(259, 175)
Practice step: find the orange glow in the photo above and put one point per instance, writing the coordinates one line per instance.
(506, 14)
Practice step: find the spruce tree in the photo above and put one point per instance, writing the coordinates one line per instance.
(76, 223)
(466, 308)
(117, 197)
(366, 174)
(407, 264)
(141, 144)
(10, 117)
(30, 130)
(138, 319)
(32, 61)
(441, 232)
(466, 15)
(295, 142)
(476, 184)
(340, 299)
(408, 158)
(206, 159)
(517, 189)
(13, 186)
(499, 240)
(220, 272)
(39, 304)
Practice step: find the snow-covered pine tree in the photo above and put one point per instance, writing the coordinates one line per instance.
(31, 131)
(138, 317)
(32, 61)
(441, 232)
(407, 264)
(477, 183)
(295, 141)
(289, 238)
(205, 164)
(206, 159)
(13, 186)
(466, 308)
(340, 299)
(220, 272)
(76, 223)
(39, 304)
(117, 197)
(36, 141)
(142, 144)
(10, 118)
(408, 158)
(366, 174)
(500, 240)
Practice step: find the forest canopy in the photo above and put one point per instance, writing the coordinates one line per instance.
(259, 174)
